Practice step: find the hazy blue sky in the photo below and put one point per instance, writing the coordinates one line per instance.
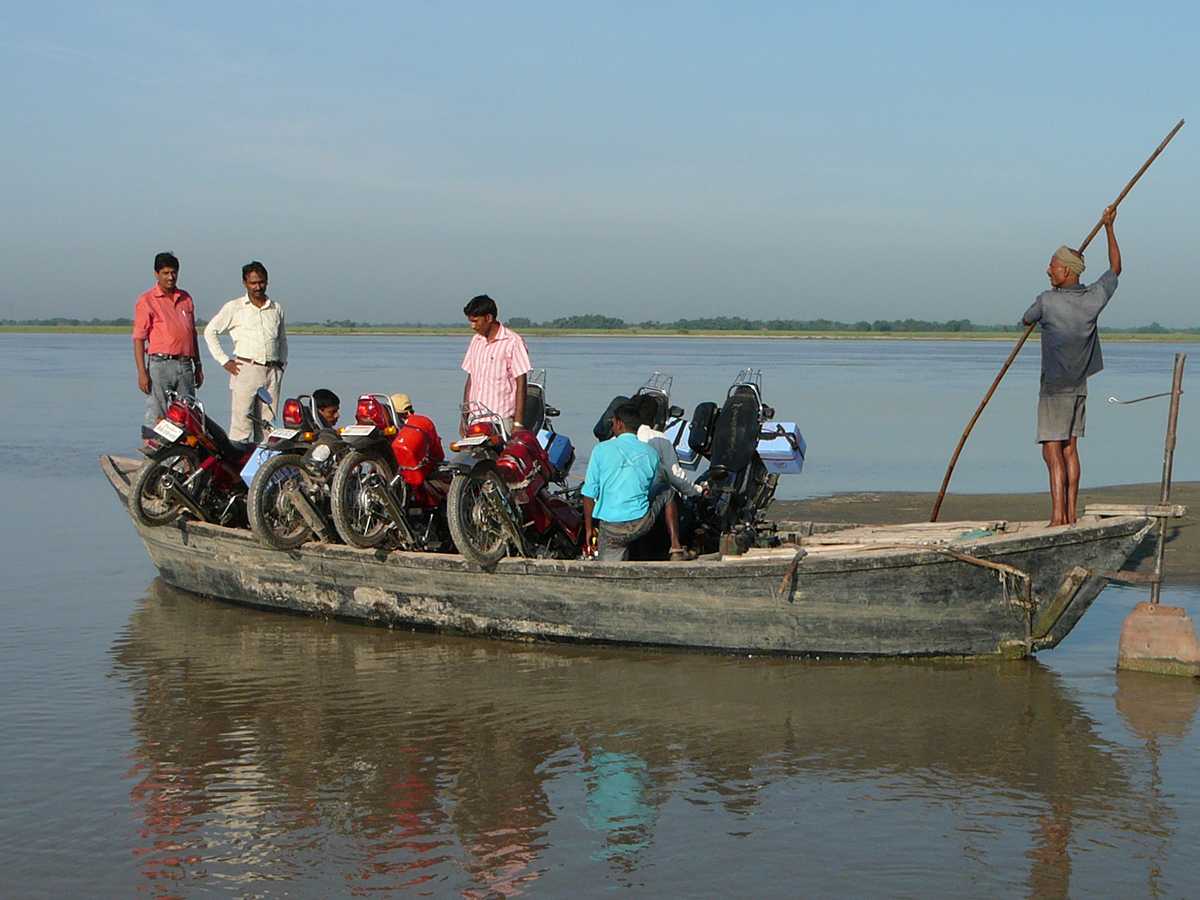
(388, 161)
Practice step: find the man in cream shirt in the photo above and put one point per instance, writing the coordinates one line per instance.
(255, 322)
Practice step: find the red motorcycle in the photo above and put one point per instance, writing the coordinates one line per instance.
(510, 492)
(194, 468)
(390, 488)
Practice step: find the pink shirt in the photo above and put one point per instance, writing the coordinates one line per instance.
(494, 367)
(169, 321)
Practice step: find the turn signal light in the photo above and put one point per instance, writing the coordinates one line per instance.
(292, 414)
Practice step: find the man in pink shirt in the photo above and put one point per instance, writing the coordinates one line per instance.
(165, 351)
(497, 365)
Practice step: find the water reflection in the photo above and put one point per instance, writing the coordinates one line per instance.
(352, 759)
(1160, 711)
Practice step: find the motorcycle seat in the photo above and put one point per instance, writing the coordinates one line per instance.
(735, 434)
(225, 447)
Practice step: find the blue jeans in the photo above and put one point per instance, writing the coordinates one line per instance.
(175, 375)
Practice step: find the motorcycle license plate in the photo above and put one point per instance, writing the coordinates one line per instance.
(473, 441)
(169, 430)
(283, 434)
(358, 430)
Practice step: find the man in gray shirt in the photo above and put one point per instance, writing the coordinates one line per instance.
(1070, 354)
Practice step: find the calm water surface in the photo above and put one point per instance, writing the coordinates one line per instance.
(158, 743)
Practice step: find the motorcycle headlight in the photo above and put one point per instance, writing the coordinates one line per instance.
(321, 453)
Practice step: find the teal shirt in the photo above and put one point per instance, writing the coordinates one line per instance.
(619, 476)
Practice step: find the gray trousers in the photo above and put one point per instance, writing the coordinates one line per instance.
(174, 375)
(613, 538)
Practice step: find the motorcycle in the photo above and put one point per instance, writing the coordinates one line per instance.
(668, 419)
(735, 439)
(390, 486)
(509, 490)
(289, 476)
(193, 467)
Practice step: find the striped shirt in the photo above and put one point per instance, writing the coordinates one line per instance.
(494, 367)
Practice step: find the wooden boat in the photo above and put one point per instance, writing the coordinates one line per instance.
(945, 589)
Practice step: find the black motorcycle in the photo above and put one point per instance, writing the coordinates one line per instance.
(732, 518)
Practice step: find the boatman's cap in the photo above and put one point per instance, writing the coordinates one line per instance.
(1069, 258)
(401, 403)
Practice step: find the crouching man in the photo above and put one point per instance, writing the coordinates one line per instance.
(619, 503)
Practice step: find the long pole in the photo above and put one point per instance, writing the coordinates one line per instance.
(937, 506)
(1168, 464)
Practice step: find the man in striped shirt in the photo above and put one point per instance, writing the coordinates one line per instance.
(497, 365)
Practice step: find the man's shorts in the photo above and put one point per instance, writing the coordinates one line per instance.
(1060, 417)
(613, 538)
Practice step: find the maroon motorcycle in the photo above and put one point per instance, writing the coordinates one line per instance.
(509, 491)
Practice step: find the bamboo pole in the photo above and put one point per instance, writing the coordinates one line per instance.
(1168, 464)
(937, 506)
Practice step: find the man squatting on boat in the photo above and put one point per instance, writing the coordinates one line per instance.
(1070, 354)
(260, 350)
(623, 495)
(164, 329)
(497, 366)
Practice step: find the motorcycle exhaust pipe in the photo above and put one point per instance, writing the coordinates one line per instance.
(307, 511)
(172, 489)
(394, 511)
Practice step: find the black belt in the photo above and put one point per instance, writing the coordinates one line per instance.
(171, 356)
(269, 364)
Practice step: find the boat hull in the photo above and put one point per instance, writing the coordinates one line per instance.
(892, 602)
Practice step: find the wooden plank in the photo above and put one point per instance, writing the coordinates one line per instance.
(1132, 577)
(1049, 615)
(1164, 511)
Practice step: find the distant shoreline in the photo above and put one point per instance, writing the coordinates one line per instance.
(1170, 337)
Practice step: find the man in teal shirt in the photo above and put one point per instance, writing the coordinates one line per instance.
(617, 490)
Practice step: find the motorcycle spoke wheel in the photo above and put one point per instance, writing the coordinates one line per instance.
(274, 518)
(148, 500)
(358, 515)
(472, 510)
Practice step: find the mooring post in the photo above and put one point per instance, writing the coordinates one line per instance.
(1168, 463)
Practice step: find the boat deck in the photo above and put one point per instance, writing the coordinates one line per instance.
(833, 539)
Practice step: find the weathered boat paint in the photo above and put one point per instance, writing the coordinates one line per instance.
(880, 602)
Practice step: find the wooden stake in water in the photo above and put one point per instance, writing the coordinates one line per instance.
(937, 506)
(1168, 463)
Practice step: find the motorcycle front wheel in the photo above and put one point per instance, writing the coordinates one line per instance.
(148, 500)
(358, 515)
(274, 519)
(474, 526)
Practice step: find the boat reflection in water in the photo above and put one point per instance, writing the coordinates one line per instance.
(344, 759)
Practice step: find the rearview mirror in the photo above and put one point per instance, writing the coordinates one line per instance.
(264, 397)
(675, 412)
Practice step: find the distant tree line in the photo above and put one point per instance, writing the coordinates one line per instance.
(737, 323)
(596, 322)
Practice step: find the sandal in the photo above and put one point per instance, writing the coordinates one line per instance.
(681, 555)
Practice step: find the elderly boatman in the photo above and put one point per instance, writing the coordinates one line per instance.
(260, 350)
(497, 365)
(164, 327)
(1070, 354)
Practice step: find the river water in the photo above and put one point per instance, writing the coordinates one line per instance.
(159, 743)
